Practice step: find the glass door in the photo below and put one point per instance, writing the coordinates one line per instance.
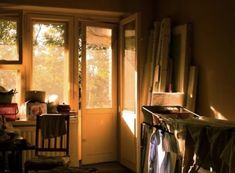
(99, 94)
(128, 92)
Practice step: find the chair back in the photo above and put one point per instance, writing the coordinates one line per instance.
(52, 134)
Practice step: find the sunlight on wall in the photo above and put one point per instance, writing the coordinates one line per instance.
(217, 114)
(22, 111)
(129, 118)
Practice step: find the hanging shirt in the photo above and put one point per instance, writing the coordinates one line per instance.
(163, 153)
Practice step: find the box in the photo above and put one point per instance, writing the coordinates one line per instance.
(168, 99)
(9, 111)
(35, 109)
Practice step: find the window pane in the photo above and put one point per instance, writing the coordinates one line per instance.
(130, 72)
(50, 65)
(8, 40)
(9, 79)
(98, 67)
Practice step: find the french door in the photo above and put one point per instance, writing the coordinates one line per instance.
(99, 93)
(128, 115)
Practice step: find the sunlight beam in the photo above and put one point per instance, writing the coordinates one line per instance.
(217, 114)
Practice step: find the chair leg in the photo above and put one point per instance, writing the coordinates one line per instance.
(25, 170)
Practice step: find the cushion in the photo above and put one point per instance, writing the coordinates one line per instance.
(47, 162)
(74, 170)
(69, 170)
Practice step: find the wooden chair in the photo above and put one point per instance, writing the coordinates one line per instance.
(52, 143)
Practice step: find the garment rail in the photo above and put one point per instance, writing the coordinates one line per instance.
(210, 140)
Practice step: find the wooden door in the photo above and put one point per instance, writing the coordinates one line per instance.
(128, 92)
(99, 93)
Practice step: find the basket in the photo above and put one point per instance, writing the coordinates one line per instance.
(6, 97)
(35, 96)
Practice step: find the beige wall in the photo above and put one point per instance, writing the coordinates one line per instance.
(81, 4)
(213, 49)
(106, 5)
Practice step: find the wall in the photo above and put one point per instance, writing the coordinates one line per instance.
(106, 5)
(213, 50)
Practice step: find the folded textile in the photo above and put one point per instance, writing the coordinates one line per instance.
(52, 126)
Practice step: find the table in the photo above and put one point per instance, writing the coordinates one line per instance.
(11, 154)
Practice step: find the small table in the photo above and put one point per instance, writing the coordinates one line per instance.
(11, 151)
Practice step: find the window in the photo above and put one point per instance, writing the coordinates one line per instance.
(10, 52)
(10, 44)
(130, 71)
(98, 67)
(49, 59)
(41, 53)
(10, 79)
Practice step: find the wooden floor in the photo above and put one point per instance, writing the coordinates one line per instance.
(113, 167)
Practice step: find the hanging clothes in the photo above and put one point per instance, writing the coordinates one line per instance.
(198, 145)
(164, 155)
(228, 156)
(146, 132)
(217, 138)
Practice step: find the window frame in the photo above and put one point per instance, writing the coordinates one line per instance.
(74, 18)
(32, 18)
(14, 16)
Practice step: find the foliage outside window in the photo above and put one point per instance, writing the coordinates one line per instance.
(80, 70)
(9, 43)
(50, 67)
(98, 67)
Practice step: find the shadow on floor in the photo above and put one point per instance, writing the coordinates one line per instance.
(111, 167)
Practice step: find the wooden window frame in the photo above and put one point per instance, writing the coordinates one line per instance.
(69, 46)
(15, 16)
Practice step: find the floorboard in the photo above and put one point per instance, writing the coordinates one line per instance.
(110, 167)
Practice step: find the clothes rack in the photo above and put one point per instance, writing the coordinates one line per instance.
(208, 138)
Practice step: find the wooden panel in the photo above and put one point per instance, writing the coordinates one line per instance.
(128, 140)
(99, 140)
(180, 53)
(192, 88)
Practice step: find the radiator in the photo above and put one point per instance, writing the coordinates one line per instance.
(27, 130)
(29, 134)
